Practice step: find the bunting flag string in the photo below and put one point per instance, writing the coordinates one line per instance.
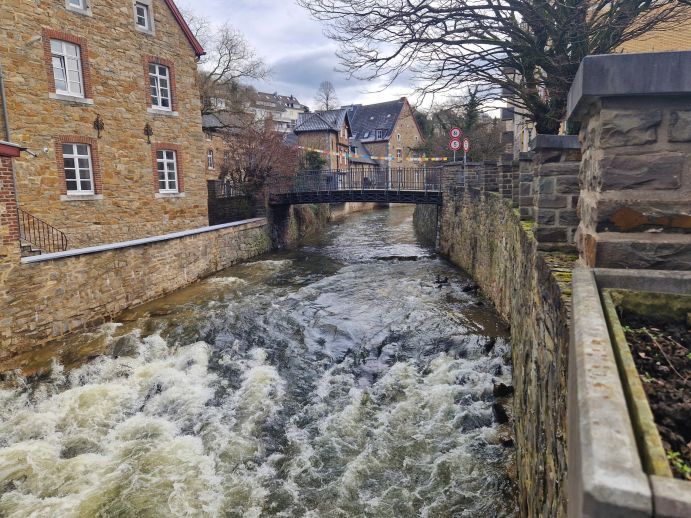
(373, 157)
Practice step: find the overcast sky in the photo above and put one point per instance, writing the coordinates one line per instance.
(294, 46)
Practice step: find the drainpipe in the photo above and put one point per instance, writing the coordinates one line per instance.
(4, 105)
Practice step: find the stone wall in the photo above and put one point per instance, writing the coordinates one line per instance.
(62, 293)
(115, 67)
(483, 234)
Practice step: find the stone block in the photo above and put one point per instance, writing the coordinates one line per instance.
(657, 171)
(551, 202)
(551, 235)
(568, 185)
(568, 218)
(526, 189)
(680, 126)
(547, 217)
(546, 185)
(633, 128)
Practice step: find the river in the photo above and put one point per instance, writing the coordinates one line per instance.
(335, 380)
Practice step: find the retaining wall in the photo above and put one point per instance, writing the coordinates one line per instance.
(48, 296)
(483, 234)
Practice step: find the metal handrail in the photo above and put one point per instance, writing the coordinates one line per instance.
(38, 233)
(394, 179)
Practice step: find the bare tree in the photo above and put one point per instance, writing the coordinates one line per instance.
(528, 50)
(229, 60)
(326, 96)
(255, 155)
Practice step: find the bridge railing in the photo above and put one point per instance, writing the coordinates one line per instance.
(355, 179)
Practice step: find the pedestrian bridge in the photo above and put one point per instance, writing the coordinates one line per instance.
(371, 185)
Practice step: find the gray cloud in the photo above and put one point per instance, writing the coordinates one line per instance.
(295, 48)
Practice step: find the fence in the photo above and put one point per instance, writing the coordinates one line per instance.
(385, 179)
(227, 203)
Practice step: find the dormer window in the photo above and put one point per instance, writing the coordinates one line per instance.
(380, 134)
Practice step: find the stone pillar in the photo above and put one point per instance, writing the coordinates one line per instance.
(635, 116)
(9, 223)
(555, 190)
(522, 170)
(525, 187)
(506, 179)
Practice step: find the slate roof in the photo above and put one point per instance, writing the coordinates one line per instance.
(222, 120)
(280, 102)
(331, 120)
(360, 149)
(367, 119)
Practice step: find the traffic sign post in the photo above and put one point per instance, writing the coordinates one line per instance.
(455, 145)
(466, 148)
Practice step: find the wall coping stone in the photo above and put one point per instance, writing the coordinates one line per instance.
(606, 476)
(605, 473)
(246, 224)
(555, 142)
(628, 75)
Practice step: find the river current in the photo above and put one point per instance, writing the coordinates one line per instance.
(339, 379)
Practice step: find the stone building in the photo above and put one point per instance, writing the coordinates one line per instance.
(282, 110)
(329, 133)
(85, 81)
(388, 131)
(519, 131)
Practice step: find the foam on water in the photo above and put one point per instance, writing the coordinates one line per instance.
(361, 392)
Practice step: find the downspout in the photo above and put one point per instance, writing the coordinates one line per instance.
(4, 106)
(6, 121)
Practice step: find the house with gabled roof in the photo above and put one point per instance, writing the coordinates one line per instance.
(327, 132)
(388, 131)
(104, 95)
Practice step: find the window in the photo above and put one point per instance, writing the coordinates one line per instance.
(380, 134)
(399, 154)
(77, 4)
(226, 156)
(166, 160)
(142, 16)
(67, 68)
(159, 81)
(79, 175)
(210, 158)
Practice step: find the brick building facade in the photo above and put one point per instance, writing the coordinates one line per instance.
(83, 79)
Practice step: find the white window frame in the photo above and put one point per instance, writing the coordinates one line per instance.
(64, 61)
(170, 174)
(399, 137)
(75, 156)
(82, 6)
(158, 97)
(399, 154)
(210, 159)
(148, 16)
(379, 135)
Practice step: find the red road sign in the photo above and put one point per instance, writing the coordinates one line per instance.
(455, 133)
(466, 145)
(455, 145)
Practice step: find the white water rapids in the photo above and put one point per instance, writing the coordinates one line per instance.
(321, 382)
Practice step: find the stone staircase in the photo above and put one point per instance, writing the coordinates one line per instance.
(29, 250)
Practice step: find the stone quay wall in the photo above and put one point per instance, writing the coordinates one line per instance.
(46, 297)
(482, 233)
